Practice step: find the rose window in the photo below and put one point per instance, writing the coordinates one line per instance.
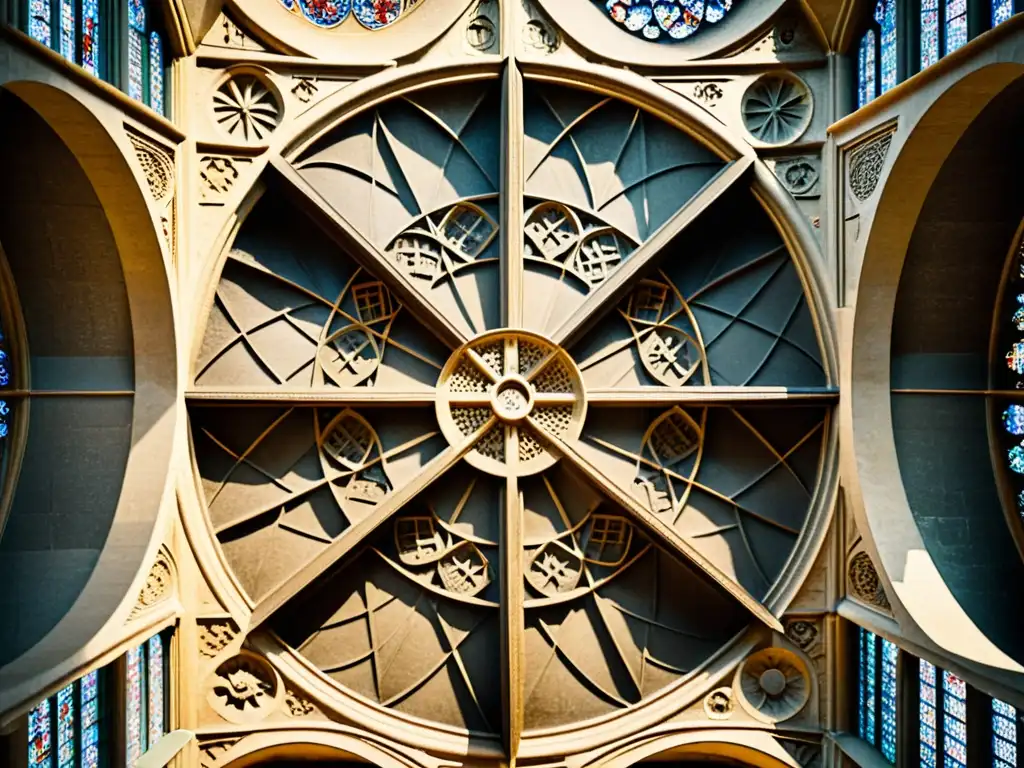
(502, 429)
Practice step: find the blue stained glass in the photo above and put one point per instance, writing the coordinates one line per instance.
(67, 29)
(1013, 419)
(866, 86)
(89, 698)
(137, 15)
(926, 713)
(322, 13)
(40, 748)
(954, 721)
(156, 72)
(929, 32)
(155, 688)
(66, 727)
(656, 20)
(1015, 358)
(870, 667)
(885, 15)
(1015, 458)
(1018, 318)
(1001, 11)
(39, 21)
(91, 36)
(956, 25)
(890, 653)
(135, 65)
(1004, 734)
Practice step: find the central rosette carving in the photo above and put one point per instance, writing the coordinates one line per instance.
(508, 388)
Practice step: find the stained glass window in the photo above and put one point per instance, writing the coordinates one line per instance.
(868, 675)
(91, 36)
(956, 25)
(40, 749)
(134, 680)
(155, 687)
(135, 63)
(156, 72)
(39, 21)
(890, 653)
(954, 721)
(929, 32)
(1001, 11)
(1004, 735)
(927, 714)
(656, 20)
(89, 696)
(867, 88)
(66, 727)
(67, 29)
(64, 730)
(885, 15)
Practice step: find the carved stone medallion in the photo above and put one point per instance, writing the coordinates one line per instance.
(774, 685)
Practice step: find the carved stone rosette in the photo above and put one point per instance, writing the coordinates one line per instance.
(773, 685)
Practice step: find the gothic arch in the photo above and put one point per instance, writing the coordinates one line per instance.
(923, 140)
(110, 589)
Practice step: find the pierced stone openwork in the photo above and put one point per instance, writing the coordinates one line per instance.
(506, 442)
(520, 384)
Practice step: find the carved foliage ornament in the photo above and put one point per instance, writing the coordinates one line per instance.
(774, 685)
(866, 166)
(159, 584)
(864, 581)
(215, 635)
(243, 689)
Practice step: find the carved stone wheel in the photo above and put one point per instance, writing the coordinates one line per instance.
(508, 451)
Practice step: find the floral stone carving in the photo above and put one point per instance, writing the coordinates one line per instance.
(774, 685)
(243, 689)
(719, 705)
(864, 581)
(159, 584)
(866, 166)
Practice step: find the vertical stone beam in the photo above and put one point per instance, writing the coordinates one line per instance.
(512, 193)
(512, 590)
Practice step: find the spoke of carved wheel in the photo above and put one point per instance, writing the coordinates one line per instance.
(323, 397)
(363, 251)
(512, 243)
(356, 534)
(512, 601)
(661, 531)
(612, 289)
(666, 396)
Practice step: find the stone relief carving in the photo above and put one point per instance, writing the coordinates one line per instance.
(777, 108)
(709, 94)
(247, 107)
(865, 583)
(803, 633)
(243, 689)
(482, 29)
(157, 163)
(296, 705)
(215, 635)
(217, 177)
(305, 88)
(538, 33)
(159, 584)
(719, 705)
(773, 685)
(799, 175)
(866, 166)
